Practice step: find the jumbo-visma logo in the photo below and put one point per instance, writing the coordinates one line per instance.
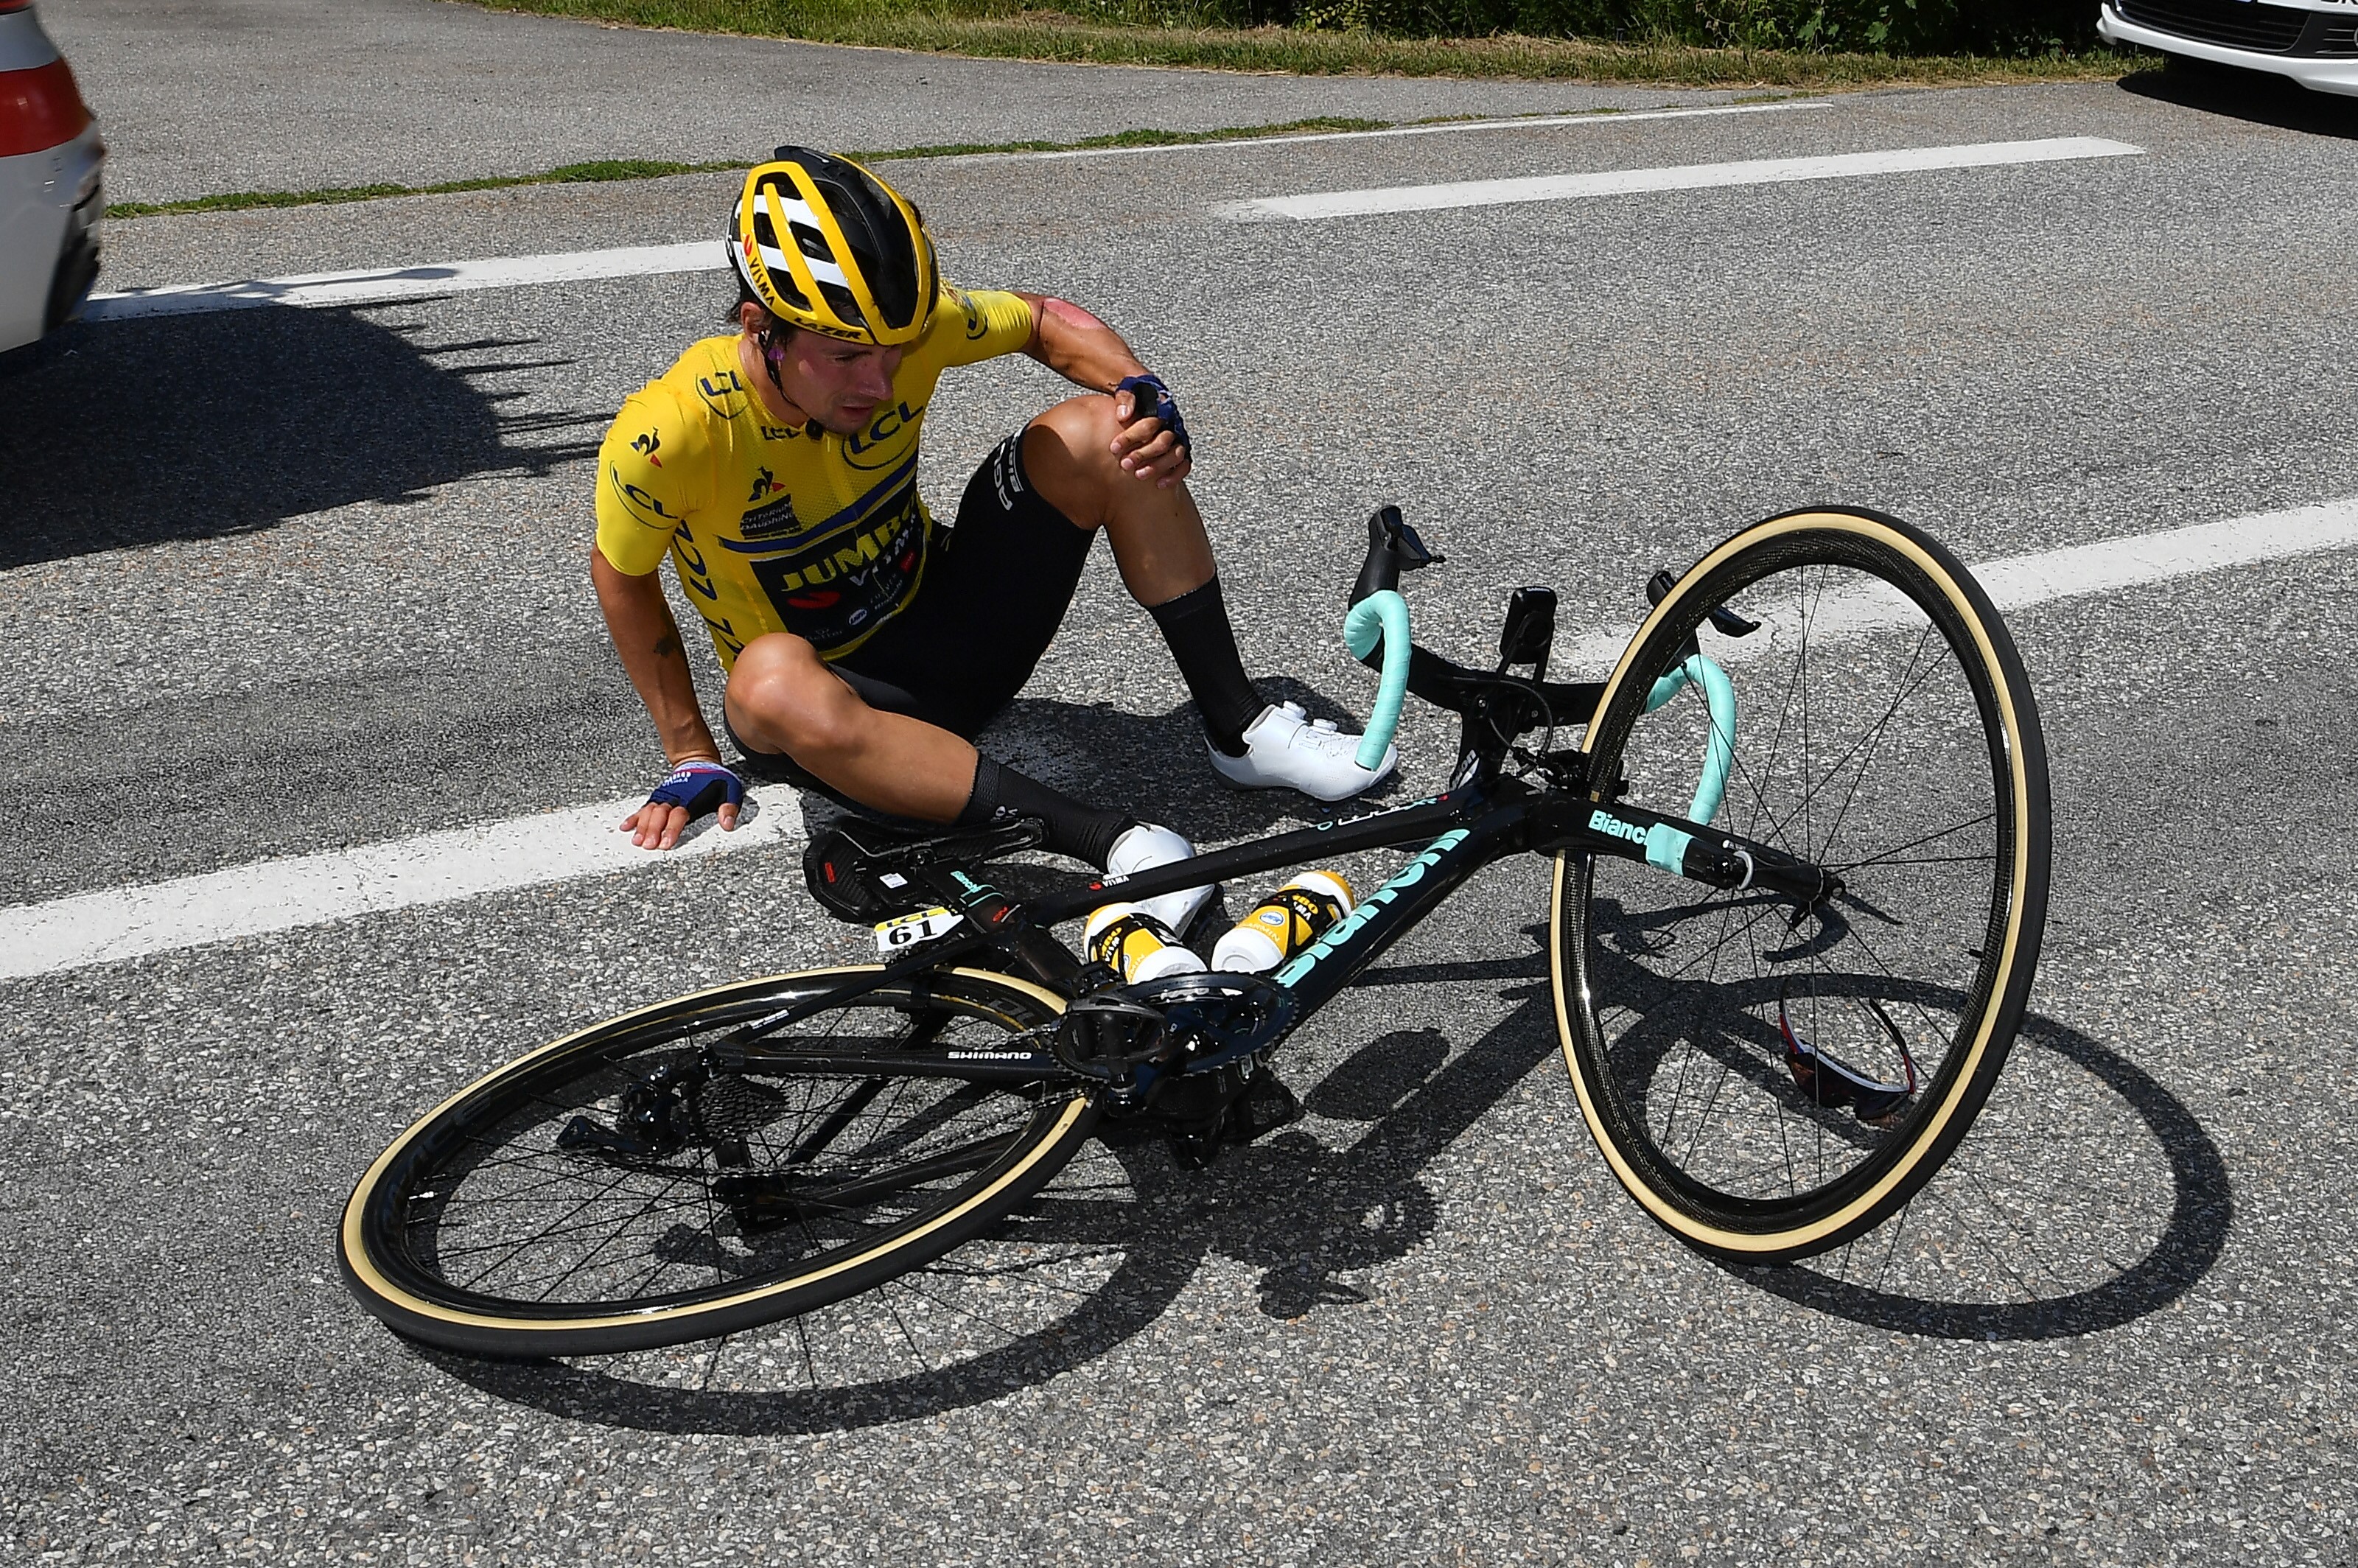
(881, 445)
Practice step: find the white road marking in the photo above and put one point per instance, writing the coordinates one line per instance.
(377, 286)
(373, 285)
(528, 851)
(2075, 571)
(315, 890)
(1435, 129)
(1680, 176)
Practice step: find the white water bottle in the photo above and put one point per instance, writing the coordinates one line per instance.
(1139, 947)
(1284, 924)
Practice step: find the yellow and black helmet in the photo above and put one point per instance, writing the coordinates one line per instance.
(826, 246)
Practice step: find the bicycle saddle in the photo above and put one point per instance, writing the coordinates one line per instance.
(864, 872)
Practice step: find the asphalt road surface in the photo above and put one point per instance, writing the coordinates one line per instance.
(280, 582)
(417, 92)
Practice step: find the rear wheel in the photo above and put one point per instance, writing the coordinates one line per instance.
(615, 1191)
(1771, 1083)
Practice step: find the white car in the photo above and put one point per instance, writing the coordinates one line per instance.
(2315, 42)
(49, 201)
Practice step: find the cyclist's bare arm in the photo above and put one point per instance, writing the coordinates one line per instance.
(1087, 352)
(647, 638)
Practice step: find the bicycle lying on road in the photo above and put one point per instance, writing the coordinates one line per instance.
(1789, 958)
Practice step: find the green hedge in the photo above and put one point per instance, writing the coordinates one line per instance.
(1882, 26)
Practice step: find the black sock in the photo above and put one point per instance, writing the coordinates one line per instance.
(1081, 831)
(1195, 624)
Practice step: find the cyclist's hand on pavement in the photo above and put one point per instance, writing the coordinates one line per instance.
(691, 789)
(1152, 442)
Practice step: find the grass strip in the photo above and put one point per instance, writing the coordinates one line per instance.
(657, 168)
(1003, 29)
(571, 174)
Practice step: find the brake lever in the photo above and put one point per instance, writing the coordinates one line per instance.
(1724, 621)
(1393, 547)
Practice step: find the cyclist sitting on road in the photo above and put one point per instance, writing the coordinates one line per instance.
(866, 644)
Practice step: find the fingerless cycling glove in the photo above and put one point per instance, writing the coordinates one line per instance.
(702, 786)
(1162, 405)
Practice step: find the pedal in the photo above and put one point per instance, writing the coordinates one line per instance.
(1262, 1106)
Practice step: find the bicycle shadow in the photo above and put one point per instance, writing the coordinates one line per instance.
(128, 433)
(1308, 1216)
(2201, 1213)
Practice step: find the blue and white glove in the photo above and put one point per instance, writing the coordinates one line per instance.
(702, 786)
(1150, 398)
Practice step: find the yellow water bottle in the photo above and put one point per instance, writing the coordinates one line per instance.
(1284, 924)
(1134, 943)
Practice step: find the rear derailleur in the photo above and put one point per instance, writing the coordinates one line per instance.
(654, 1121)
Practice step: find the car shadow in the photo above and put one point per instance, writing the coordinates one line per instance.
(2259, 97)
(1307, 1217)
(136, 432)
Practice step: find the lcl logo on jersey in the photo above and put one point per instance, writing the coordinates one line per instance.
(975, 325)
(637, 500)
(893, 422)
(722, 393)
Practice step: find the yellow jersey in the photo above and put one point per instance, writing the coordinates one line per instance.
(785, 528)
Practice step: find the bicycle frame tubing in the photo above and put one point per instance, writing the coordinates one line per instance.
(1346, 836)
(1472, 826)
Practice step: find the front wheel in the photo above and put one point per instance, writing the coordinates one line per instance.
(618, 1190)
(1771, 1082)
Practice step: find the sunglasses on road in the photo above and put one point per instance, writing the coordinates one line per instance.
(1827, 1080)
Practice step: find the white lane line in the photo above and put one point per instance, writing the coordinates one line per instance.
(371, 286)
(1681, 176)
(376, 285)
(315, 890)
(528, 851)
(2075, 571)
(1433, 128)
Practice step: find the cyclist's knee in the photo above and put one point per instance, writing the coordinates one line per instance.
(782, 697)
(1069, 456)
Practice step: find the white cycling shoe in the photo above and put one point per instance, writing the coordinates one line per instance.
(1284, 748)
(1145, 846)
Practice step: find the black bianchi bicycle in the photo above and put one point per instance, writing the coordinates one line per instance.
(1801, 862)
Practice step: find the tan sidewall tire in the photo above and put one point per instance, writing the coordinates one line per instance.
(441, 1324)
(2019, 719)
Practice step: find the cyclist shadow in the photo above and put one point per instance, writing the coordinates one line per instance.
(243, 419)
(1102, 754)
(1156, 765)
(1309, 1217)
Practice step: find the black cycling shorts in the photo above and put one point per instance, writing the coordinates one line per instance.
(996, 589)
